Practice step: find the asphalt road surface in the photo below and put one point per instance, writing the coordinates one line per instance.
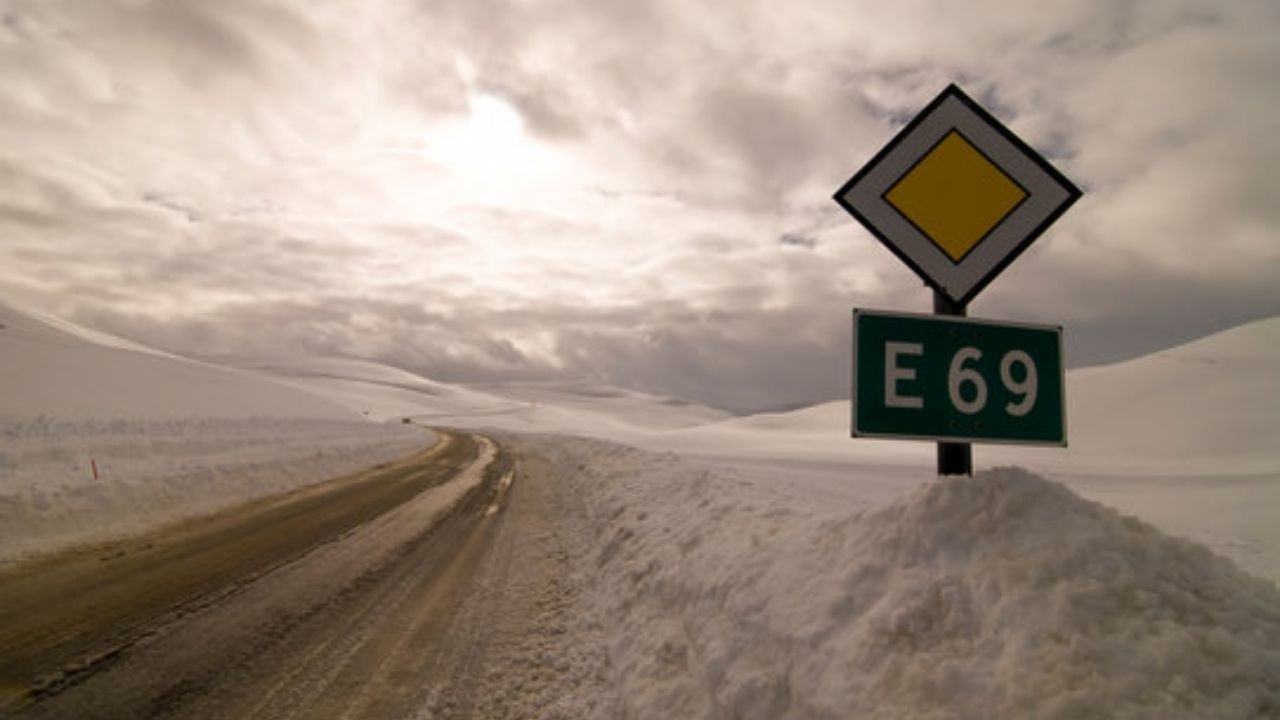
(425, 587)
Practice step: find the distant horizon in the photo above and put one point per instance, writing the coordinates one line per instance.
(242, 361)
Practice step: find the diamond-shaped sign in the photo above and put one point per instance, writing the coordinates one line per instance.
(957, 196)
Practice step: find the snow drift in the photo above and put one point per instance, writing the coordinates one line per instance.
(1004, 595)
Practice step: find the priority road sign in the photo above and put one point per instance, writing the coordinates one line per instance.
(957, 196)
(924, 377)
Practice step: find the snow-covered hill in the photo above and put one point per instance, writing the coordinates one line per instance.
(574, 408)
(638, 410)
(100, 436)
(58, 370)
(1204, 408)
(1208, 407)
(378, 391)
(1213, 402)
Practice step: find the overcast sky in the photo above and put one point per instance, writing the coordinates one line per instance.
(632, 192)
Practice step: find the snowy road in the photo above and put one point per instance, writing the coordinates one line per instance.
(418, 587)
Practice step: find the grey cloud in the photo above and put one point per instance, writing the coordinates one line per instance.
(798, 240)
(716, 132)
(160, 200)
(682, 355)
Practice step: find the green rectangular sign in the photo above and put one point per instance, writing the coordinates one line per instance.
(930, 377)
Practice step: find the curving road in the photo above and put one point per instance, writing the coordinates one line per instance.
(391, 593)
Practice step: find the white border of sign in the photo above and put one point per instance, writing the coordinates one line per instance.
(1049, 194)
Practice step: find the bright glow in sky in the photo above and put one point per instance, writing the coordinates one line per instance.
(489, 155)
(635, 193)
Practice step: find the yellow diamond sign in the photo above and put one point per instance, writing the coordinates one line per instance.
(957, 196)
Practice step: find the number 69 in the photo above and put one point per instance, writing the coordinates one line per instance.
(958, 376)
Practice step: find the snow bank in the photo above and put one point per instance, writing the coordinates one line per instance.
(1004, 595)
(155, 471)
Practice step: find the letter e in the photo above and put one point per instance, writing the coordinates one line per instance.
(893, 373)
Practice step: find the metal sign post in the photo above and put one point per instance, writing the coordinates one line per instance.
(953, 458)
(957, 197)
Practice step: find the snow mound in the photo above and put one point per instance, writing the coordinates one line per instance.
(1006, 595)
(1003, 595)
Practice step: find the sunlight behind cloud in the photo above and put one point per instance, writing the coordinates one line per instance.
(490, 150)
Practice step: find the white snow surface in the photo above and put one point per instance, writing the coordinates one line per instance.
(999, 596)
(379, 391)
(577, 408)
(170, 437)
(54, 369)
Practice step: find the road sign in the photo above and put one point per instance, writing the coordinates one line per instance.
(957, 196)
(928, 377)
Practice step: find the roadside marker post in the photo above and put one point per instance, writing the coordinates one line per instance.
(958, 197)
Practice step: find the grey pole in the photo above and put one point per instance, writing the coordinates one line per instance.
(953, 458)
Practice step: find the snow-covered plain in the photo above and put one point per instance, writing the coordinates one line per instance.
(766, 566)
(165, 436)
